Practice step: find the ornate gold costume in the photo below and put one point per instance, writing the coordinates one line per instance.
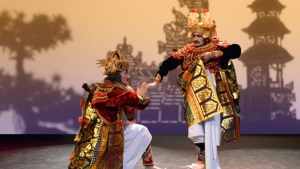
(114, 62)
(201, 101)
(100, 139)
(209, 88)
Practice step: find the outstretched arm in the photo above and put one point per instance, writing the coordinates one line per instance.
(167, 65)
(231, 52)
(156, 82)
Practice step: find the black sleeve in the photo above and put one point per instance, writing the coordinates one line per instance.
(231, 52)
(168, 65)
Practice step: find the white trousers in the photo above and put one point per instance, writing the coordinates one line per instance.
(136, 140)
(208, 132)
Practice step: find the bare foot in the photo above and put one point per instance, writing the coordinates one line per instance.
(200, 162)
(197, 165)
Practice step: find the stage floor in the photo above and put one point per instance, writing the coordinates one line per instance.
(170, 151)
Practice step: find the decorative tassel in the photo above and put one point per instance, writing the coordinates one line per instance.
(81, 104)
(71, 158)
(82, 120)
(119, 122)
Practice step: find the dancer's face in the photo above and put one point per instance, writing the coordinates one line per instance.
(198, 39)
(125, 77)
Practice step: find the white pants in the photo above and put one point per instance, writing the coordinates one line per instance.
(136, 140)
(208, 132)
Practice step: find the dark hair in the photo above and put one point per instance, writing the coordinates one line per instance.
(114, 77)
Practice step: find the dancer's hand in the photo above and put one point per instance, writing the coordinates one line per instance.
(142, 90)
(206, 56)
(152, 85)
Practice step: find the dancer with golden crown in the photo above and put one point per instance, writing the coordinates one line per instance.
(209, 89)
(108, 137)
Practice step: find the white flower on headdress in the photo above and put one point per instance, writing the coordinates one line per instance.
(193, 18)
(206, 20)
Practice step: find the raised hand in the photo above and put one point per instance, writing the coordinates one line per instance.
(152, 85)
(142, 90)
(206, 56)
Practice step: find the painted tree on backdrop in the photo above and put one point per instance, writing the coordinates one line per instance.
(35, 100)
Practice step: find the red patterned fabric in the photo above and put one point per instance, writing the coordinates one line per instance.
(110, 98)
(108, 103)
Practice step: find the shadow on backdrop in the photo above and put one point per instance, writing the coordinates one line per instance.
(266, 102)
(43, 107)
(47, 108)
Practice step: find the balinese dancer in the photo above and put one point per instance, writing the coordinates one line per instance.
(209, 89)
(108, 137)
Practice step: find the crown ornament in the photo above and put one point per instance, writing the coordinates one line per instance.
(206, 27)
(114, 62)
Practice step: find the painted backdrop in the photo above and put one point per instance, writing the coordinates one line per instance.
(49, 48)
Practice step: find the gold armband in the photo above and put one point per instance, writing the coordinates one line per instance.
(217, 54)
(157, 79)
(143, 100)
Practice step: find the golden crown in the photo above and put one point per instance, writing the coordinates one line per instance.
(206, 27)
(114, 62)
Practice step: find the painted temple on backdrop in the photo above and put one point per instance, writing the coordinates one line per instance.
(266, 102)
(165, 110)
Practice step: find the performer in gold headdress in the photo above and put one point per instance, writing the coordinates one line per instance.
(209, 88)
(108, 137)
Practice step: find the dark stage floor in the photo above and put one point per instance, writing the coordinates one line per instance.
(170, 151)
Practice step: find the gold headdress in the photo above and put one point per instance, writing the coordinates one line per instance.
(206, 27)
(114, 62)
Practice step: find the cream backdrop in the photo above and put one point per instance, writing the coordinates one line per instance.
(98, 26)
